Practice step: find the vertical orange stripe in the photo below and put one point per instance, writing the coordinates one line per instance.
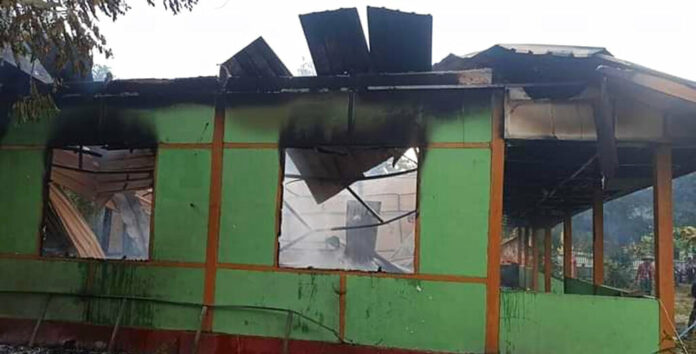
(664, 247)
(568, 246)
(597, 238)
(342, 307)
(211, 253)
(547, 259)
(495, 226)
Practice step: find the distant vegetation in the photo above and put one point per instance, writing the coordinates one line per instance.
(628, 230)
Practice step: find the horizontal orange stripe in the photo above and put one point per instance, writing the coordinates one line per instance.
(427, 277)
(186, 146)
(459, 145)
(151, 263)
(251, 145)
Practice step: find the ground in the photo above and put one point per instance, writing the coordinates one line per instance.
(9, 349)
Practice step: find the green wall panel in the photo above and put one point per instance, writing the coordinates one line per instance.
(551, 323)
(581, 287)
(80, 123)
(438, 316)
(38, 275)
(78, 118)
(162, 283)
(26, 133)
(21, 200)
(556, 285)
(313, 295)
(249, 187)
(178, 123)
(182, 191)
(471, 124)
(390, 117)
(454, 202)
(42, 276)
(305, 117)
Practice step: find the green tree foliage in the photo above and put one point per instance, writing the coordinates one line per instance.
(63, 32)
(100, 72)
(69, 29)
(628, 230)
(619, 269)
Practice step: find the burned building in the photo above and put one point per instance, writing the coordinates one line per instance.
(359, 210)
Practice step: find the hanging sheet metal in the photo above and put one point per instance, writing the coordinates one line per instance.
(327, 171)
(399, 41)
(336, 42)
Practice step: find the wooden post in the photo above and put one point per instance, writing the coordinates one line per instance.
(214, 205)
(535, 262)
(568, 247)
(664, 248)
(597, 238)
(547, 259)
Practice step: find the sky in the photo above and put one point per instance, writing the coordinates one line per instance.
(151, 43)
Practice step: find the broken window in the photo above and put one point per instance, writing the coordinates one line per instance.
(99, 203)
(349, 208)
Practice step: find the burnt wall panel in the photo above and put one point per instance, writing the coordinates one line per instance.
(180, 285)
(292, 119)
(116, 122)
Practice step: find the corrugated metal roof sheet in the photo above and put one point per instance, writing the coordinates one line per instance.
(336, 42)
(399, 41)
(557, 50)
(255, 60)
(23, 63)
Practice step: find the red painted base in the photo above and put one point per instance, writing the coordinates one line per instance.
(139, 340)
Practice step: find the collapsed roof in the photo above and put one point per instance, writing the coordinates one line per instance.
(575, 117)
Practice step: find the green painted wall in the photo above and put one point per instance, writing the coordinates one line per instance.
(38, 133)
(262, 118)
(176, 123)
(169, 123)
(551, 323)
(449, 117)
(112, 279)
(162, 283)
(379, 118)
(581, 287)
(49, 276)
(182, 190)
(20, 200)
(454, 194)
(416, 314)
(380, 311)
(248, 215)
(313, 295)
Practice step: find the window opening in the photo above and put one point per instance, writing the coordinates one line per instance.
(99, 203)
(349, 208)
